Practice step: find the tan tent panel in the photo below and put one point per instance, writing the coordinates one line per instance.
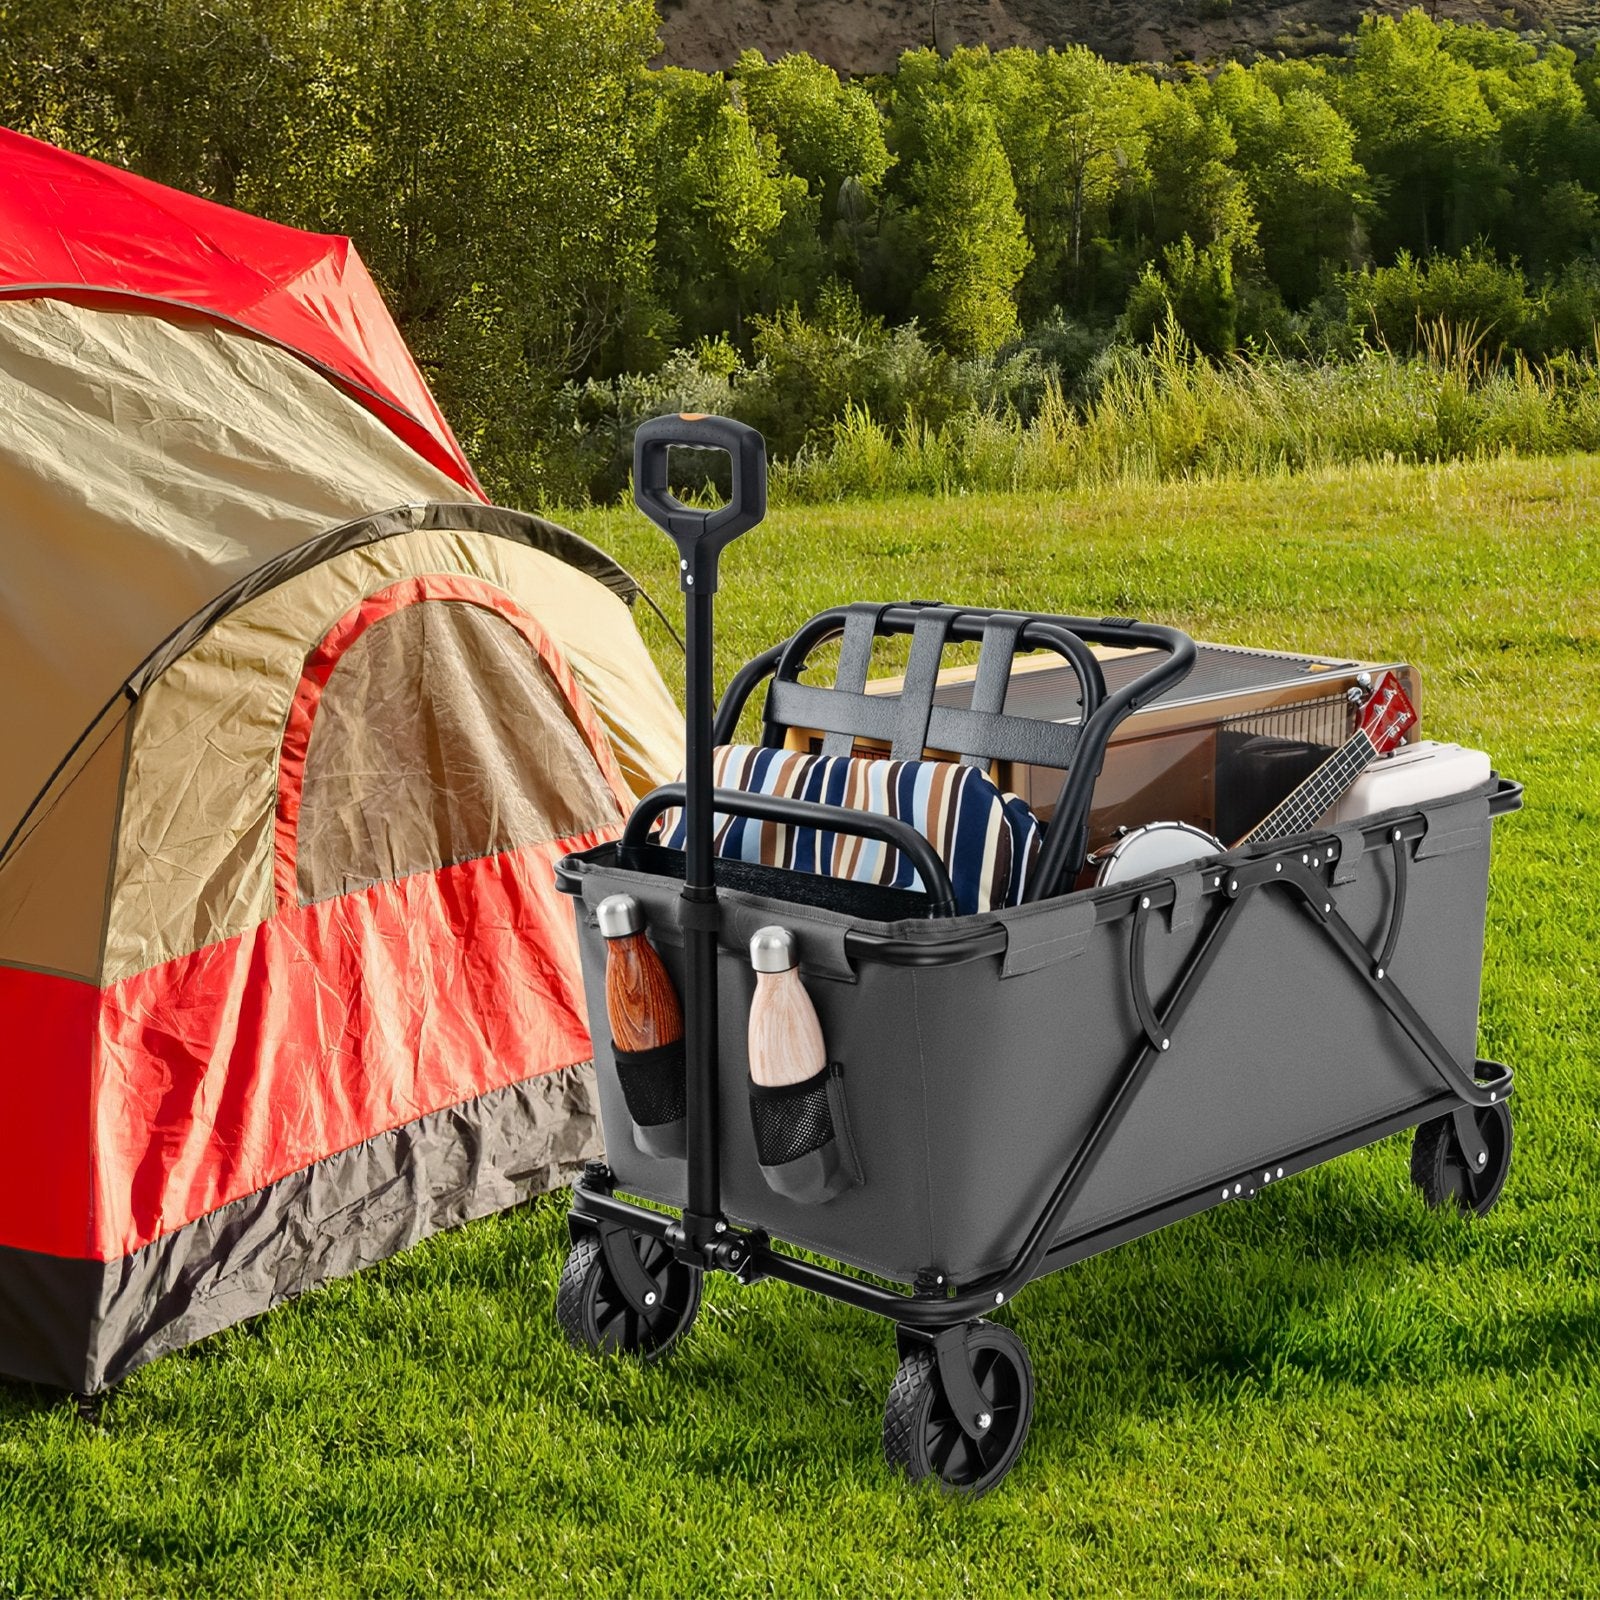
(54, 888)
(195, 850)
(140, 475)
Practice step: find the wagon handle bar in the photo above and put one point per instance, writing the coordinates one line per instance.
(699, 535)
(808, 814)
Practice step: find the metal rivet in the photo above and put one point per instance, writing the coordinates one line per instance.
(722, 1227)
(1380, 972)
(1483, 1156)
(1238, 1188)
(683, 566)
(984, 1419)
(690, 580)
(999, 1297)
(1266, 1177)
(1216, 883)
(1233, 884)
(1166, 1043)
(1280, 1172)
(1305, 861)
(650, 1299)
(1224, 1191)
(1144, 905)
(1277, 866)
(1327, 907)
(1493, 1098)
(1395, 835)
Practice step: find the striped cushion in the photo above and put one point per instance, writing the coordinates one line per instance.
(988, 840)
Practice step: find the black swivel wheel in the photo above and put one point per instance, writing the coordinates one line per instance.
(1445, 1174)
(595, 1315)
(921, 1435)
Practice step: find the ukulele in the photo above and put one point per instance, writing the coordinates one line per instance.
(1386, 717)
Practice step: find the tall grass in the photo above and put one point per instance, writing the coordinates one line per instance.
(1167, 413)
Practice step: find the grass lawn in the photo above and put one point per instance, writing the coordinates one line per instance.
(1329, 1391)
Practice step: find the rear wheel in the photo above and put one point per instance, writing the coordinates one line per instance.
(924, 1439)
(596, 1315)
(1444, 1172)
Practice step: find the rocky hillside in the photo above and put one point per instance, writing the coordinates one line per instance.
(868, 35)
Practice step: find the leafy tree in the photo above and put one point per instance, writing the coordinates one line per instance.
(1550, 142)
(1296, 155)
(203, 96)
(1424, 130)
(965, 220)
(1195, 189)
(496, 186)
(735, 234)
(1073, 127)
(826, 132)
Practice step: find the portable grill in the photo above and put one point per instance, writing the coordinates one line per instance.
(1009, 1091)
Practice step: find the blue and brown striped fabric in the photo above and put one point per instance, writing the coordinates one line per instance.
(989, 841)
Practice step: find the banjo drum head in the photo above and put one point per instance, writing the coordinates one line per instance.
(1155, 848)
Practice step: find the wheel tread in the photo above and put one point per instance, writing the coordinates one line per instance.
(583, 1258)
(918, 1389)
(902, 1412)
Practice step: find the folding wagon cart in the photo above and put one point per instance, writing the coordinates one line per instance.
(1012, 1088)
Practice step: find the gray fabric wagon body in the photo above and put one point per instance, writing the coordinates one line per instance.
(975, 1053)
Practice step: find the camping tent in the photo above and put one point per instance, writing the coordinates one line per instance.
(295, 726)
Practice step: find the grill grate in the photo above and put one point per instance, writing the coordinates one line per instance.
(1218, 670)
(1328, 720)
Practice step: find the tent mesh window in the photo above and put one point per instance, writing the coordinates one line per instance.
(441, 737)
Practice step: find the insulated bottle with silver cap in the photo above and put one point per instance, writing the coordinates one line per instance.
(646, 1027)
(785, 1036)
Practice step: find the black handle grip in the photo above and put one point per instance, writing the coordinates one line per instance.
(700, 535)
(808, 814)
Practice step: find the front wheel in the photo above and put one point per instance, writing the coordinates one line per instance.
(596, 1315)
(1446, 1175)
(921, 1435)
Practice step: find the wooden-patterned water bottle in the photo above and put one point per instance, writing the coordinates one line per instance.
(641, 1004)
(646, 1021)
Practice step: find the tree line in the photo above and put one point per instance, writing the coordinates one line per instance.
(570, 239)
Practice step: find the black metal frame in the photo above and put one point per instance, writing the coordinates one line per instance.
(701, 1236)
(1078, 747)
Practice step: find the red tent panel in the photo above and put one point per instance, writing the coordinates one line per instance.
(73, 226)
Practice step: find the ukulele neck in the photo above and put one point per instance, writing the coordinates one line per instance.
(1313, 797)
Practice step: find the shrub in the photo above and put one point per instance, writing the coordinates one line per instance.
(1569, 311)
(1194, 290)
(1394, 305)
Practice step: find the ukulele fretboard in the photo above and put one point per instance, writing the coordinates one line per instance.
(1313, 797)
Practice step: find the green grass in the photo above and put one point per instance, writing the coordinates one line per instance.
(1330, 1391)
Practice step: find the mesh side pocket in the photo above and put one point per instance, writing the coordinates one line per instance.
(791, 1119)
(802, 1140)
(653, 1083)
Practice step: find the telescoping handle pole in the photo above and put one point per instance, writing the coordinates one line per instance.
(700, 537)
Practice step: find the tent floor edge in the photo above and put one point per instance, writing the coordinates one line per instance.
(85, 1325)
